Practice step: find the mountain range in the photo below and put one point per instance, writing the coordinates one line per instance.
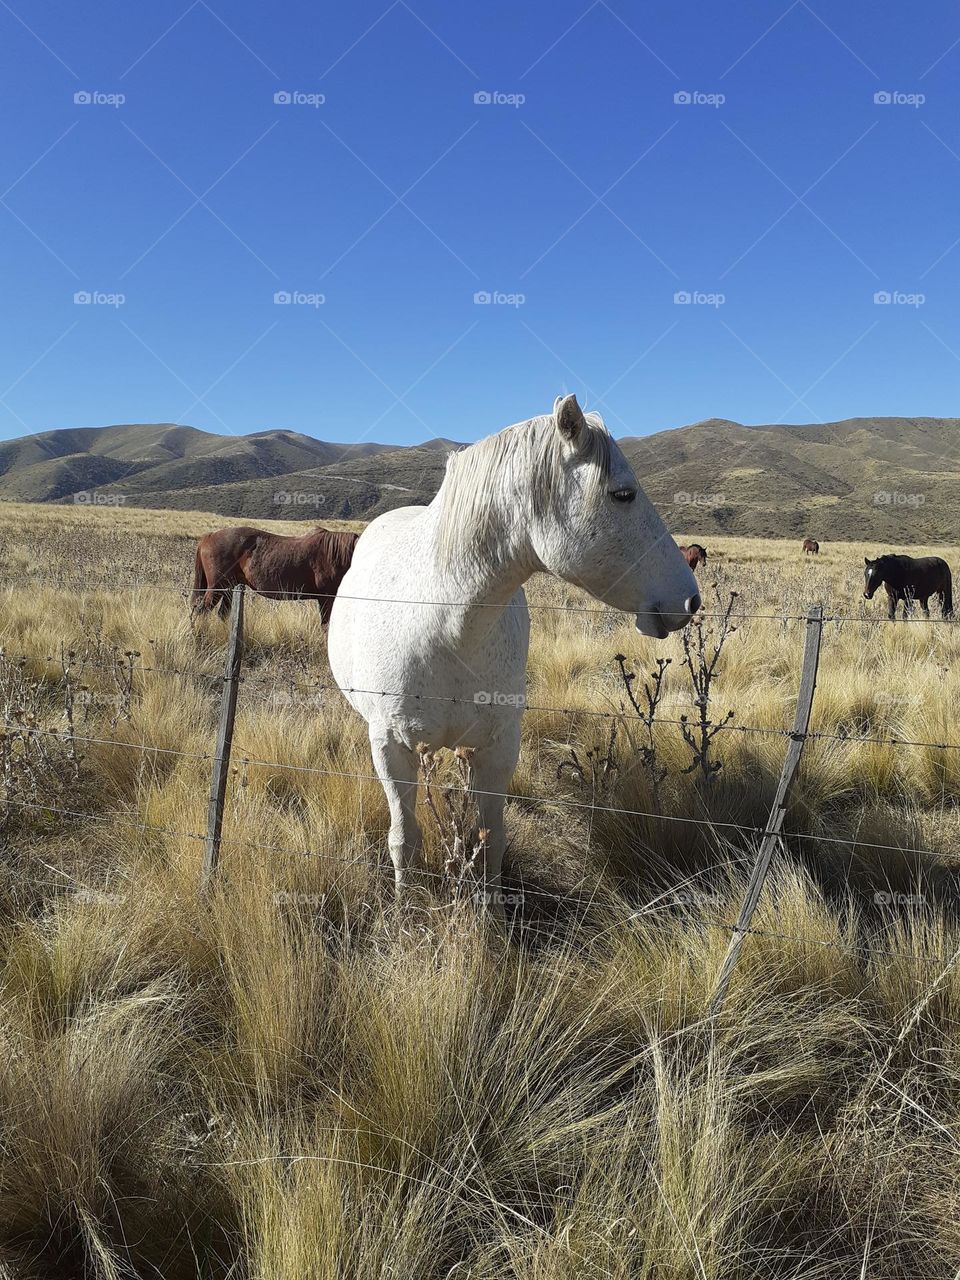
(895, 480)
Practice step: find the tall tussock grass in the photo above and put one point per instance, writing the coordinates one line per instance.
(276, 1084)
(291, 1077)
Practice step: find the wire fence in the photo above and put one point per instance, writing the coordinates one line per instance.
(131, 664)
(29, 731)
(693, 904)
(315, 689)
(189, 594)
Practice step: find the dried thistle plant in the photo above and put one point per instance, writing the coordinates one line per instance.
(646, 712)
(123, 672)
(454, 812)
(596, 771)
(703, 641)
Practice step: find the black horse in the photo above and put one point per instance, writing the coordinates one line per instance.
(907, 578)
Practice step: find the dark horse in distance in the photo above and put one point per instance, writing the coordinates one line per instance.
(694, 554)
(811, 546)
(283, 568)
(907, 578)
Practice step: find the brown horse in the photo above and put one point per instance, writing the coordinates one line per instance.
(811, 546)
(281, 568)
(694, 554)
(907, 578)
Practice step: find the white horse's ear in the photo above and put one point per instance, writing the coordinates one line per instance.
(569, 418)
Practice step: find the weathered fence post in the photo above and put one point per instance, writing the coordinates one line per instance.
(771, 837)
(221, 758)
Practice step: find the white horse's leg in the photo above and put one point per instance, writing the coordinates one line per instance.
(493, 768)
(396, 768)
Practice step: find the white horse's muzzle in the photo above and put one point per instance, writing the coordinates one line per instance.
(657, 624)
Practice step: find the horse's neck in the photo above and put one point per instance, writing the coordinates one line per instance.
(484, 578)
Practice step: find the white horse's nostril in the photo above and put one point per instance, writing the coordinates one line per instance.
(693, 604)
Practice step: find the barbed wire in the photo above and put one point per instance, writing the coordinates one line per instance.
(314, 690)
(359, 860)
(564, 801)
(661, 902)
(308, 596)
(128, 668)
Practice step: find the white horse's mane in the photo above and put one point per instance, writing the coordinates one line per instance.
(529, 459)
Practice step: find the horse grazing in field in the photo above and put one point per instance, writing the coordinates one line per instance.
(432, 609)
(282, 568)
(694, 554)
(811, 546)
(907, 578)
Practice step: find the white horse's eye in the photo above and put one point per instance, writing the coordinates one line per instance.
(623, 495)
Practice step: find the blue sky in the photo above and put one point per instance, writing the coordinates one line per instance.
(583, 197)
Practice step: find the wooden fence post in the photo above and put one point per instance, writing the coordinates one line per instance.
(798, 736)
(221, 758)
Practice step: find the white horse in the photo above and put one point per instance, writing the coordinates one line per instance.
(429, 632)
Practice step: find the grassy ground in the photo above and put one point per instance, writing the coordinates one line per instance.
(291, 1079)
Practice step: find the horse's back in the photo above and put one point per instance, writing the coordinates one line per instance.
(939, 572)
(376, 579)
(383, 527)
(931, 568)
(230, 537)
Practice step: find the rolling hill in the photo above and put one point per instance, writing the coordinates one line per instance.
(895, 480)
(890, 480)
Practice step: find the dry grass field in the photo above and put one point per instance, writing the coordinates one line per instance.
(289, 1078)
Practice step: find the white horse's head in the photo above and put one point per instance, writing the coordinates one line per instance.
(600, 531)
